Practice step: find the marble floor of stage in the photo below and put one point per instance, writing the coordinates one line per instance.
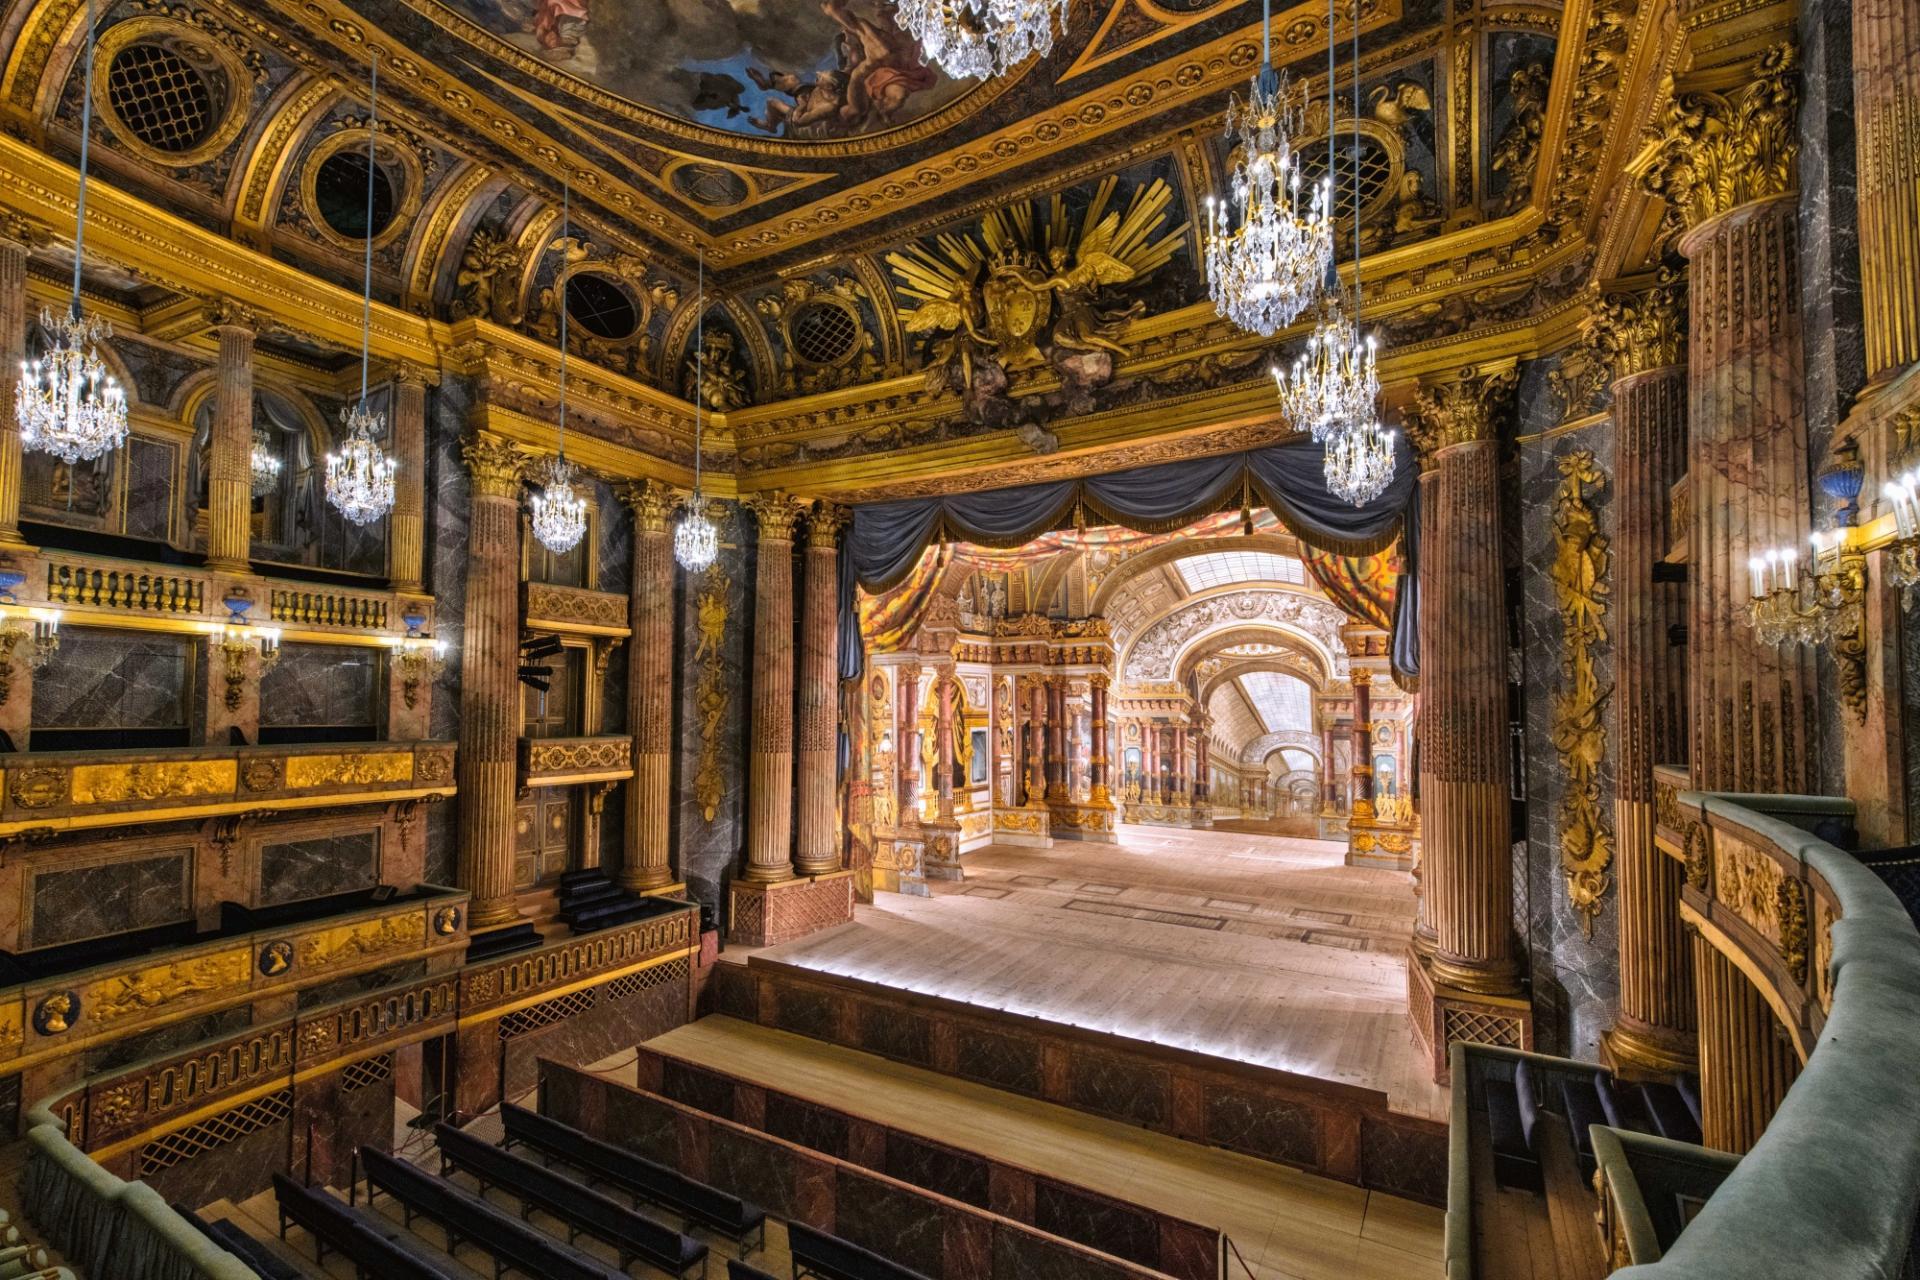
(1265, 949)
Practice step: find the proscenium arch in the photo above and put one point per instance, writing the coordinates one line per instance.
(1281, 544)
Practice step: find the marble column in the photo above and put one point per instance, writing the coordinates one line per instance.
(1886, 112)
(1202, 779)
(489, 682)
(1182, 780)
(1099, 792)
(407, 527)
(15, 241)
(1057, 739)
(1036, 740)
(817, 847)
(1329, 785)
(1464, 764)
(1640, 335)
(230, 444)
(770, 762)
(906, 755)
(943, 749)
(1725, 164)
(1362, 743)
(650, 612)
(1746, 1061)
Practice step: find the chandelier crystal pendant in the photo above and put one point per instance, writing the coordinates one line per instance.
(360, 475)
(559, 512)
(67, 404)
(695, 540)
(974, 39)
(1269, 257)
(266, 464)
(1359, 461)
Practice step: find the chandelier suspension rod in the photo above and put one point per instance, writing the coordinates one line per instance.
(566, 228)
(1266, 35)
(1359, 293)
(699, 366)
(1333, 169)
(80, 199)
(366, 292)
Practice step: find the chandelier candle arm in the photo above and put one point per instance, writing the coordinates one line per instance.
(695, 540)
(974, 39)
(558, 513)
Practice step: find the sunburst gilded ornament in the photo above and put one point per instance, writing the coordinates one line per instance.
(67, 404)
(974, 39)
(359, 473)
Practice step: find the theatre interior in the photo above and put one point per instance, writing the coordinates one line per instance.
(959, 639)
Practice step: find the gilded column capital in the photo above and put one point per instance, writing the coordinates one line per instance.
(652, 502)
(225, 313)
(497, 465)
(408, 373)
(909, 671)
(16, 228)
(1467, 408)
(1100, 680)
(1717, 151)
(1362, 677)
(777, 514)
(1638, 332)
(825, 522)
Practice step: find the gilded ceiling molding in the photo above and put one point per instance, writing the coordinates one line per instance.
(1582, 564)
(427, 252)
(1643, 331)
(1466, 408)
(1718, 151)
(263, 172)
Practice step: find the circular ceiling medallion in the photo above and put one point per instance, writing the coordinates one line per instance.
(167, 93)
(711, 185)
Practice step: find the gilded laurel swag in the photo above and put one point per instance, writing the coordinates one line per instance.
(1582, 560)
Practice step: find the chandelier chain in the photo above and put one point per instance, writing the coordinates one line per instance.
(695, 540)
(559, 511)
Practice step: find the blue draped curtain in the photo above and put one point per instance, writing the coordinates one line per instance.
(888, 538)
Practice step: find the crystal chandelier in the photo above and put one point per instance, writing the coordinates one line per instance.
(559, 512)
(359, 473)
(1267, 269)
(1359, 461)
(973, 39)
(695, 541)
(67, 404)
(1335, 381)
(266, 464)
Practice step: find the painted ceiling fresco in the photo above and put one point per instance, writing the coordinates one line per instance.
(798, 69)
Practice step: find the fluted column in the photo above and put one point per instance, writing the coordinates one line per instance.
(1727, 162)
(1464, 769)
(1746, 1060)
(1098, 790)
(907, 759)
(489, 683)
(407, 528)
(770, 763)
(1886, 112)
(230, 446)
(1329, 782)
(1640, 334)
(650, 689)
(1036, 740)
(15, 235)
(1362, 743)
(817, 849)
(1202, 779)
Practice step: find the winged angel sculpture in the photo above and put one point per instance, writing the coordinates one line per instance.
(1030, 290)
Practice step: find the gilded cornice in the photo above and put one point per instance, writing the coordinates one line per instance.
(1637, 332)
(1468, 407)
(1716, 151)
(497, 465)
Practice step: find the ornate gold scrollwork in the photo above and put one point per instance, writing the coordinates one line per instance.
(1581, 562)
(1717, 151)
(1699, 856)
(712, 693)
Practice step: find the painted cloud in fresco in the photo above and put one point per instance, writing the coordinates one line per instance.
(787, 68)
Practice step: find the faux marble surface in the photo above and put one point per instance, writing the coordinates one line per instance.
(956, 1174)
(114, 680)
(806, 1125)
(321, 685)
(149, 487)
(702, 1090)
(321, 993)
(1007, 1061)
(297, 869)
(707, 852)
(1108, 1225)
(449, 497)
(167, 1039)
(806, 1013)
(1270, 1127)
(114, 897)
(1120, 1088)
(892, 1221)
(897, 1034)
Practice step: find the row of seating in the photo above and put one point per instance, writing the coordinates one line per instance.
(513, 1243)
(819, 1256)
(377, 1249)
(581, 1208)
(1513, 1106)
(643, 1179)
(265, 1263)
(589, 900)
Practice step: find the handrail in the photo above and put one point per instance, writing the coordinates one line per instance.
(1227, 1245)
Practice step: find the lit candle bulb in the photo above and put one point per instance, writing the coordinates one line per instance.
(1757, 572)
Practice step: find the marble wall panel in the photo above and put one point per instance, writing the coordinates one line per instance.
(894, 1222)
(1270, 1127)
(806, 1011)
(322, 993)
(706, 851)
(703, 1090)
(802, 1123)
(749, 1166)
(449, 502)
(115, 680)
(896, 1033)
(1107, 1225)
(634, 1121)
(322, 685)
(112, 897)
(956, 1174)
(10, 1103)
(1129, 1089)
(1010, 1062)
(170, 1038)
(150, 466)
(1909, 710)
(293, 870)
(1405, 1161)
(1018, 1255)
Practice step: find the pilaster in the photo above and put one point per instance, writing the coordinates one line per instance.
(15, 238)
(770, 763)
(817, 849)
(650, 689)
(230, 447)
(407, 526)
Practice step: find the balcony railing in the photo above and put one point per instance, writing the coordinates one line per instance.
(560, 762)
(573, 610)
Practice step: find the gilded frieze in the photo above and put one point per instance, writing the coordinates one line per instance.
(1582, 561)
(1823, 919)
(129, 995)
(1749, 883)
(12, 1021)
(348, 944)
(359, 770)
(1028, 821)
(149, 781)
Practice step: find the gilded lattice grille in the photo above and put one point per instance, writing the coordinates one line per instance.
(546, 1013)
(217, 1131)
(647, 979)
(161, 97)
(824, 332)
(1477, 1026)
(367, 1071)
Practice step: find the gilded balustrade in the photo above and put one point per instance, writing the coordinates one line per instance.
(574, 610)
(559, 762)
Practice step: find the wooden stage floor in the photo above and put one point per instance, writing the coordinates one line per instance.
(1266, 949)
(1286, 1224)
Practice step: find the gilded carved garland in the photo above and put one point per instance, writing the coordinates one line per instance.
(1581, 561)
(712, 692)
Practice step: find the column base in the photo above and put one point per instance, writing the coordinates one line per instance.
(1633, 1050)
(678, 889)
(1443, 1016)
(761, 915)
(1032, 828)
(1081, 822)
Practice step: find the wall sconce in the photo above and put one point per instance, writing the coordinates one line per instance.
(42, 627)
(1903, 553)
(1808, 605)
(420, 660)
(237, 641)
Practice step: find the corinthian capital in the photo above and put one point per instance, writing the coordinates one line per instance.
(225, 313)
(1468, 407)
(1635, 332)
(497, 466)
(824, 524)
(653, 503)
(777, 514)
(1717, 151)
